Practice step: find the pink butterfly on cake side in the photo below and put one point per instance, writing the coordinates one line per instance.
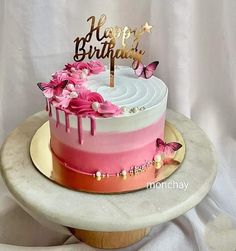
(165, 153)
(143, 70)
(167, 149)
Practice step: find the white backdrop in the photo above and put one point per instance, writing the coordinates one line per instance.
(195, 42)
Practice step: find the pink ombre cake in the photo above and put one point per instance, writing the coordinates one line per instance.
(103, 139)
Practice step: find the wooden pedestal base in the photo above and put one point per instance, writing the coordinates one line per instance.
(110, 239)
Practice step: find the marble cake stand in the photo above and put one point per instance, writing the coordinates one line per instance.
(108, 221)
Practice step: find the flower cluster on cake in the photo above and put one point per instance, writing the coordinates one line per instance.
(66, 90)
(107, 138)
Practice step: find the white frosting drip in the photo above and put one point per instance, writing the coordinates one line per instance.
(129, 91)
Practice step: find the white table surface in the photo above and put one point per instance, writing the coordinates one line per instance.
(44, 199)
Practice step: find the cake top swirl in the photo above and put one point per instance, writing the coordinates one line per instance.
(81, 88)
(130, 91)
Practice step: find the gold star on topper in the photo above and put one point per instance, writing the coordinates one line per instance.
(147, 27)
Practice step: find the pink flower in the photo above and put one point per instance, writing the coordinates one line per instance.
(56, 84)
(60, 76)
(73, 76)
(83, 104)
(75, 66)
(69, 93)
(77, 77)
(66, 91)
(92, 103)
(96, 66)
(107, 109)
(59, 81)
(62, 101)
(83, 66)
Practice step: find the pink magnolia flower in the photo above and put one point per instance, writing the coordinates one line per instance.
(69, 92)
(62, 101)
(73, 76)
(96, 66)
(75, 66)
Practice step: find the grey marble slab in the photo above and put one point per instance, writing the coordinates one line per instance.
(49, 201)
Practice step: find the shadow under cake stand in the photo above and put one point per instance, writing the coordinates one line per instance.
(108, 221)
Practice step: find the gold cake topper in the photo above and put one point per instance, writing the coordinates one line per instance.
(108, 39)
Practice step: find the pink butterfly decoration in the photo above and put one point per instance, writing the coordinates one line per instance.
(165, 154)
(167, 150)
(144, 71)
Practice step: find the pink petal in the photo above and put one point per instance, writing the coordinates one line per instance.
(95, 97)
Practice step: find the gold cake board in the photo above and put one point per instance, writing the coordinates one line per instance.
(42, 159)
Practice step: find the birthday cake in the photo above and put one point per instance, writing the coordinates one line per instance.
(105, 138)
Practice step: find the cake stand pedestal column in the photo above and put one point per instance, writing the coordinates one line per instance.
(110, 239)
(108, 221)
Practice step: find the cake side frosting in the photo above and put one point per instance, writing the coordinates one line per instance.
(108, 152)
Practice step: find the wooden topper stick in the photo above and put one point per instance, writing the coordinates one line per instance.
(112, 71)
